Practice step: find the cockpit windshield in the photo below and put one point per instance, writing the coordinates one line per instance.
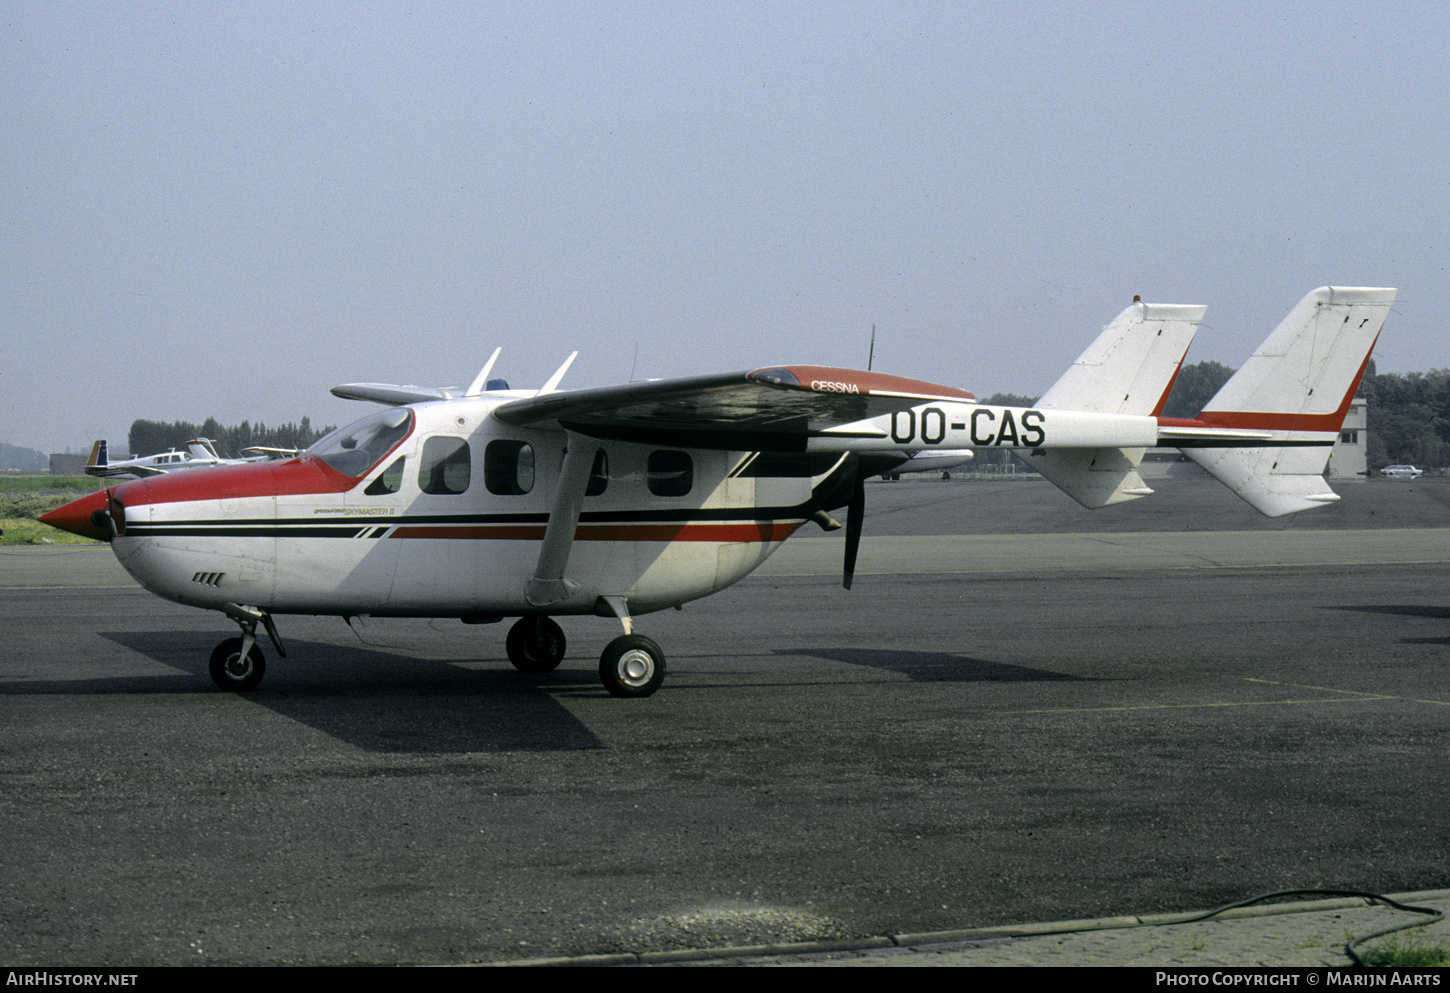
(355, 449)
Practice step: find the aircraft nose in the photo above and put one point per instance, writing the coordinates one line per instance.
(85, 517)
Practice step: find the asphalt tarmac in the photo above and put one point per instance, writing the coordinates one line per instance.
(986, 732)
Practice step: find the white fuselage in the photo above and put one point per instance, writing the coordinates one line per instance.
(405, 538)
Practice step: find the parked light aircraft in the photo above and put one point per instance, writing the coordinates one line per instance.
(931, 462)
(482, 503)
(200, 453)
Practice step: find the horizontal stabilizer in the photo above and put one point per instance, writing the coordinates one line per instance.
(1094, 477)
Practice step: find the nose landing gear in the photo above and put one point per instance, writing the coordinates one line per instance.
(235, 670)
(237, 664)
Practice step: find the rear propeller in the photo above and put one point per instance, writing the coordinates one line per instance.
(855, 511)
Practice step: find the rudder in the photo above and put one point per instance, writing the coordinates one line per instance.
(1298, 386)
(1128, 369)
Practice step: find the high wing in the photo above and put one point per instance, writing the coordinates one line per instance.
(772, 409)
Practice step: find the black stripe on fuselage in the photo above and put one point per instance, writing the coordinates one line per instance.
(1239, 443)
(376, 526)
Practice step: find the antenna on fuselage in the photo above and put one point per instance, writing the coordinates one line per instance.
(476, 387)
(871, 355)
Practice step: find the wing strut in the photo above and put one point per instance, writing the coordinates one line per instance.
(549, 585)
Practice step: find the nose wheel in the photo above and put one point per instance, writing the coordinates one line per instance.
(237, 664)
(235, 669)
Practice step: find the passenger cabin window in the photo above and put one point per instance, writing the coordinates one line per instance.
(670, 474)
(444, 466)
(598, 475)
(355, 449)
(508, 467)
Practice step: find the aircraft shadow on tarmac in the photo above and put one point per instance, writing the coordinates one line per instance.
(935, 667)
(374, 700)
(1410, 610)
(1407, 610)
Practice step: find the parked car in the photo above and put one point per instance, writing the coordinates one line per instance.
(1402, 471)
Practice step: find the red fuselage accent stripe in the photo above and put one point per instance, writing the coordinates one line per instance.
(294, 477)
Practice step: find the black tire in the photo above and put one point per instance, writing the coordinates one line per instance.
(632, 665)
(233, 673)
(535, 644)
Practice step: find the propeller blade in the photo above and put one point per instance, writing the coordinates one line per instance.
(855, 512)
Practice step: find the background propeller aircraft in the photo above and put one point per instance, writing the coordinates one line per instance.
(200, 454)
(483, 503)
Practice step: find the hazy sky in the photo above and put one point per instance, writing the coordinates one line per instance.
(225, 209)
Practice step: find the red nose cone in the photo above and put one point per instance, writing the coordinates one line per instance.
(85, 517)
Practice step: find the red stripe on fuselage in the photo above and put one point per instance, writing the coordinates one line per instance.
(294, 477)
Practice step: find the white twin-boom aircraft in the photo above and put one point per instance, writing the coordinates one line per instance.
(484, 503)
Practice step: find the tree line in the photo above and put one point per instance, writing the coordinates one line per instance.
(151, 437)
(1409, 417)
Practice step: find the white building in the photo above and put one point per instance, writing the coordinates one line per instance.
(1348, 458)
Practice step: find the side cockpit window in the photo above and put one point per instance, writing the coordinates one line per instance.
(445, 467)
(355, 449)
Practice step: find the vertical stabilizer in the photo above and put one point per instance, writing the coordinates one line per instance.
(1298, 386)
(1129, 369)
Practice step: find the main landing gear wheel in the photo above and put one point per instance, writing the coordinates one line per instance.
(535, 644)
(234, 672)
(632, 665)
